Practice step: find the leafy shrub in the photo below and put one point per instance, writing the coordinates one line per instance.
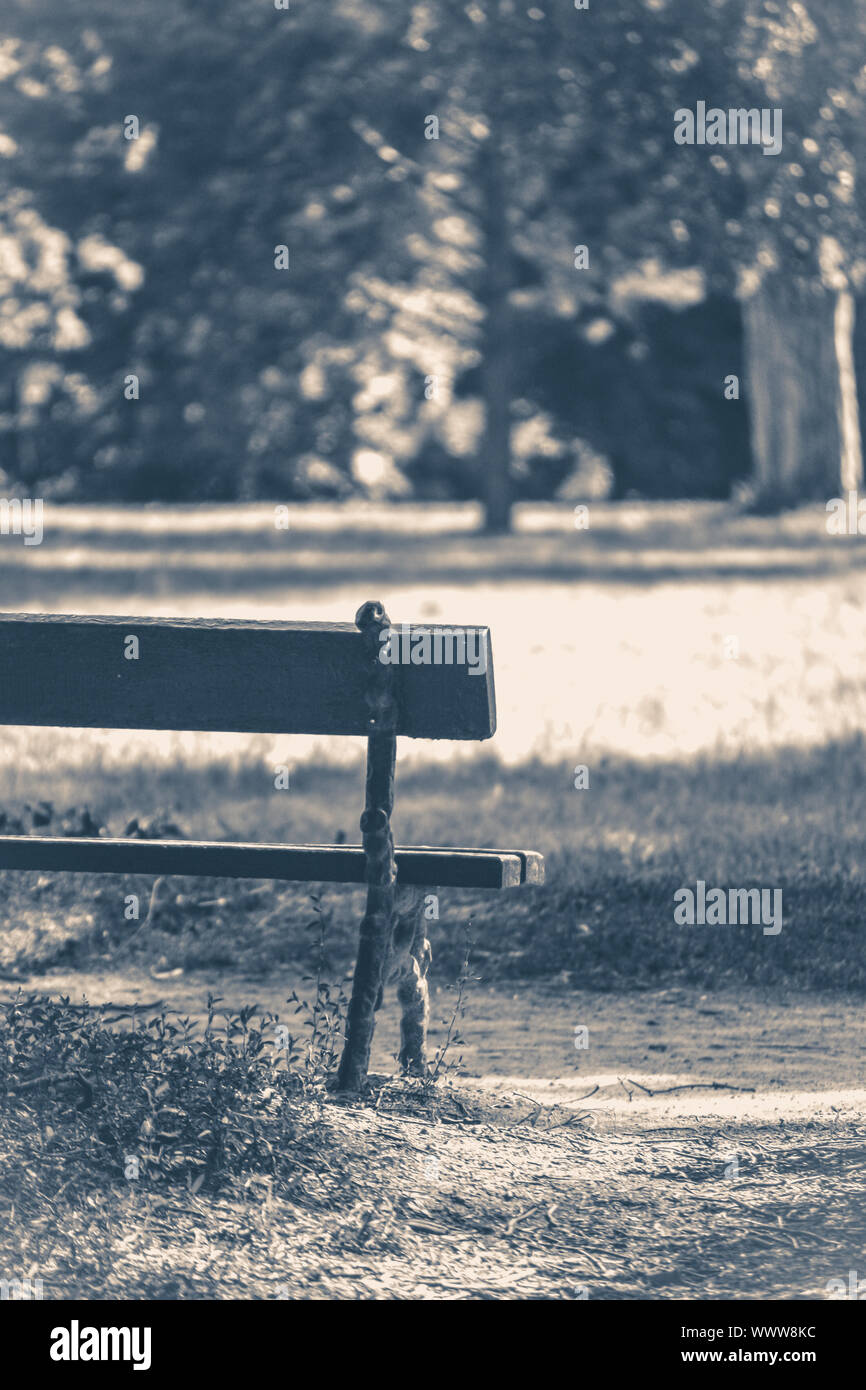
(158, 1101)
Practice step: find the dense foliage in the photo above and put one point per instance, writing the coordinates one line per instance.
(428, 282)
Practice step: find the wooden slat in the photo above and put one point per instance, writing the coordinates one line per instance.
(439, 868)
(531, 865)
(223, 676)
(531, 861)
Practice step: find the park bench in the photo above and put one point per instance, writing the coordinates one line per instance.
(277, 678)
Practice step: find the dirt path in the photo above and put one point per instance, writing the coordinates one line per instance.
(575, 1175)
(509, 1211)
(515, 1202)
(750, 1038)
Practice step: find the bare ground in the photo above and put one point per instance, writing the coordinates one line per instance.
(769, 1039)
(506, 1208)
(704, 1146)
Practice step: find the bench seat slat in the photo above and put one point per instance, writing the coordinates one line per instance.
(531, 860)
(421, 866)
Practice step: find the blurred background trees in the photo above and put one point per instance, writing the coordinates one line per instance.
(502, 277)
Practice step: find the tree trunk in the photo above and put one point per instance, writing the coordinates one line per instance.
(495, 458)
(10, 445)
(802, 391)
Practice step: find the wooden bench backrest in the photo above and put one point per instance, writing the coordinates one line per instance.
(231, 677)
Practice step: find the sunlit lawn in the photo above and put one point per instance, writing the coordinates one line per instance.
(662, 631)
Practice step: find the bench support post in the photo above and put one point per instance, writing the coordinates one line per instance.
(413, 957)
(378, 922)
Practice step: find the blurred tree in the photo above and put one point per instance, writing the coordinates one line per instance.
(241, 145)
(493, 128)
(782, 231)
(431, 175)
(807, 249)
(557, 127)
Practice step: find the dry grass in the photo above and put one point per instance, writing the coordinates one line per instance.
(615, 856)
(491, 1203)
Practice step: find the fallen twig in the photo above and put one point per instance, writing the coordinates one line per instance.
(41, 1081)
(691, 1086)
(509, 1229)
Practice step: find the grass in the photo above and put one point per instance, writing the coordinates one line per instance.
(745, 772)
(616, 853)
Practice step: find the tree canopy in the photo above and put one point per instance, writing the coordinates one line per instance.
(255, 251)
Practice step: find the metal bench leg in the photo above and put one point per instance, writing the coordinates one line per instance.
(413, 957)
(378, 922)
